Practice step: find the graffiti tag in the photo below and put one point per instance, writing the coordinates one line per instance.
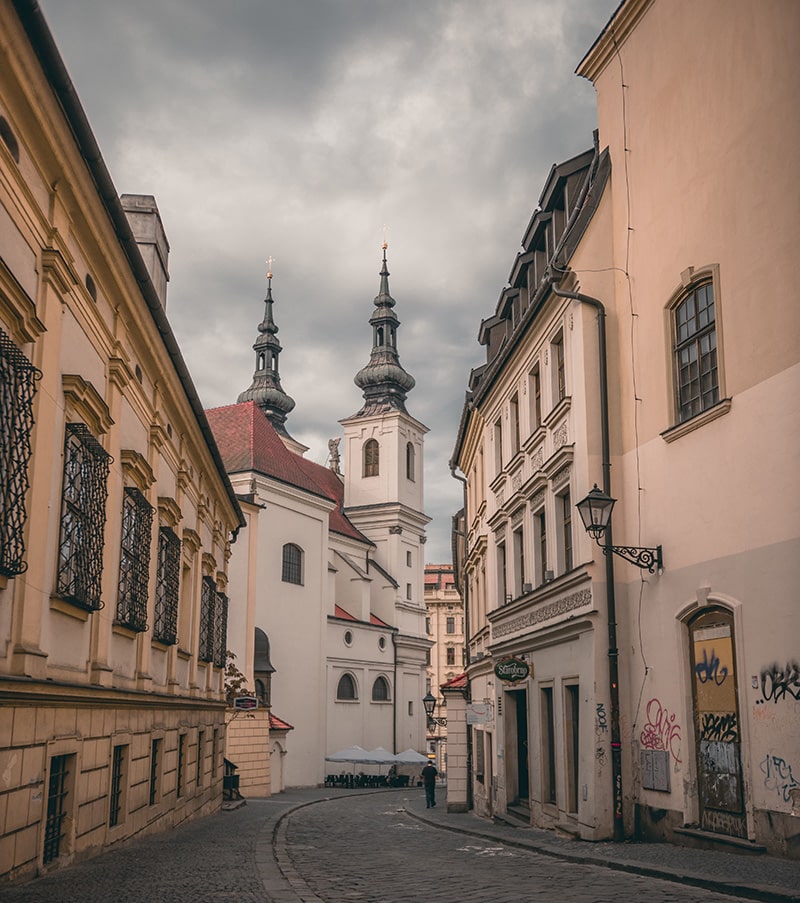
(777, 682)
(602, 720)
(709, 669)
(778, 777)
(661, 731)
(719, 726)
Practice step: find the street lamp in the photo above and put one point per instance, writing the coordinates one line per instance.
(595, 511)
(429, 704)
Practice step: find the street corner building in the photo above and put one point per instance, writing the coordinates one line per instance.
(331, 633)
(646, 345)
(116, 515)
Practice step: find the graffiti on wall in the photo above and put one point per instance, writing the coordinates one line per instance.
(721, 726)
(602, 718)
(778, 777)
(661, 730)
(710, 669)
(779, 683)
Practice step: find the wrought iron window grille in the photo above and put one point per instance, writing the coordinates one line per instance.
(134, 563)
(18, 378)
(56, 807)
(165, 626)
(220, 630)
(115, 796)
(83, 518)
(208, 598)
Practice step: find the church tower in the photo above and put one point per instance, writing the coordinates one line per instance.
(265, 389)
(383, 456)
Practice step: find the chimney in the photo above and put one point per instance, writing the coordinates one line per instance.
(148, 230)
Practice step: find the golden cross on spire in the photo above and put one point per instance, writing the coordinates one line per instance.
(385, 230)
(270, 261)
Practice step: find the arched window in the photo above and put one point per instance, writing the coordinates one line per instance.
(261, 362)
(410, 453)
(262, 667)
(380, 690)
(346, 688)
(292, 564)
(371, 458)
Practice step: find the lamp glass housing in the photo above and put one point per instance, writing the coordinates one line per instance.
(429, 704)
(595, 511)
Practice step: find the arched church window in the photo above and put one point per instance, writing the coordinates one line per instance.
(410, 453)
(371, 458)
(379, 336)
(346, 688)
(380, 690)
(292, 571)
(260, 364)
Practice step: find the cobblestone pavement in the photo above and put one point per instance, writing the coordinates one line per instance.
(308, 846)
(368, 849)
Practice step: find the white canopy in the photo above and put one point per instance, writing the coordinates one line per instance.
(351, 754)
(410, 757)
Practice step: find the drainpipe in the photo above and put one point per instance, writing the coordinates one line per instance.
(394, 694)
(465, 597)
(613, 652)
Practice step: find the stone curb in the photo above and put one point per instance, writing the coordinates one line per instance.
(766, 893)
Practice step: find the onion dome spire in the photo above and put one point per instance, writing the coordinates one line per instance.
(383, 381)
(266, 390)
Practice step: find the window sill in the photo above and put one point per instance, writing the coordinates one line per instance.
(67, 608)
(122, 630)
(694, 423)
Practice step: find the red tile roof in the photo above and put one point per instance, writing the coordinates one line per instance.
(339, 612)
(378, 622)
(455, 683)
(278, 724)
(248, 442)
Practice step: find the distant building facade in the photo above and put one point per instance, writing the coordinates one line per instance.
(445, 628)
(331, 566)
(116, 516)
(656, 704)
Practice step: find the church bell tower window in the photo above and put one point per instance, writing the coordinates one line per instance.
(371, 458)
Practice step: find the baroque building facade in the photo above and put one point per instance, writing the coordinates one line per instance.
(116, 515)
(332, 564)
(660, 704)
(445, 628)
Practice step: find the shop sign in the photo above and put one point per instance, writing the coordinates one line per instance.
(512, 670)
(479, 712)
(245, 703)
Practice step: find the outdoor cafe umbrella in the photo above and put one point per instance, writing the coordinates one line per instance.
(410, 757)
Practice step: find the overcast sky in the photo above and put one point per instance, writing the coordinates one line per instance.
(296, 129)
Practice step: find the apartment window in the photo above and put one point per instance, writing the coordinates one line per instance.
(380, 690)
(292, 571)
(83, 518)
(498, 446)
(513, 414)
(371, 458)
(57, 794)
(408, 591)
(540, 524)
(695, 352)
(208, 600)
(451, 655)
(116, 797)
(548, 747)
(200, 754)
(559, 375)
(565, 505)
(571, 712)
(165, 626)
(501, 574)
(450, 625)
(179, 778)
(410, 455)
(17, 388)
(214, 752)
(428, 626)
(408, 559)
(535, 390)
(220, 652)
(346, 688)
(134, 562)
(155, 765)
(519, 561)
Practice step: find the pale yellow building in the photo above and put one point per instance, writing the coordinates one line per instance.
(661, 702)
(445, 628)
(116, 516)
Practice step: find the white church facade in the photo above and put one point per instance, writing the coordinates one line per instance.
(330, 569)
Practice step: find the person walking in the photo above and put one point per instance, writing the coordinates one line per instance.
(429, 773)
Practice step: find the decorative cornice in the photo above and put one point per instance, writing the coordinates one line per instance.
(541, 613)
(209, 564)
(86, 402)
(58, 270)
(136, 469)
(613, 36)
(18, 309)
(119, 373)
(191, 541)
(169, 511)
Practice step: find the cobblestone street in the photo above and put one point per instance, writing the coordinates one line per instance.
(384, 847)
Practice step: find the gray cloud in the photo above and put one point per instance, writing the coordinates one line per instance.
(297, 130)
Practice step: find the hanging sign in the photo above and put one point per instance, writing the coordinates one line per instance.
(512, 670)
(245, 703)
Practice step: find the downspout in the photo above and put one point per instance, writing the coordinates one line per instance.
(613, 652)
(465, 596)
